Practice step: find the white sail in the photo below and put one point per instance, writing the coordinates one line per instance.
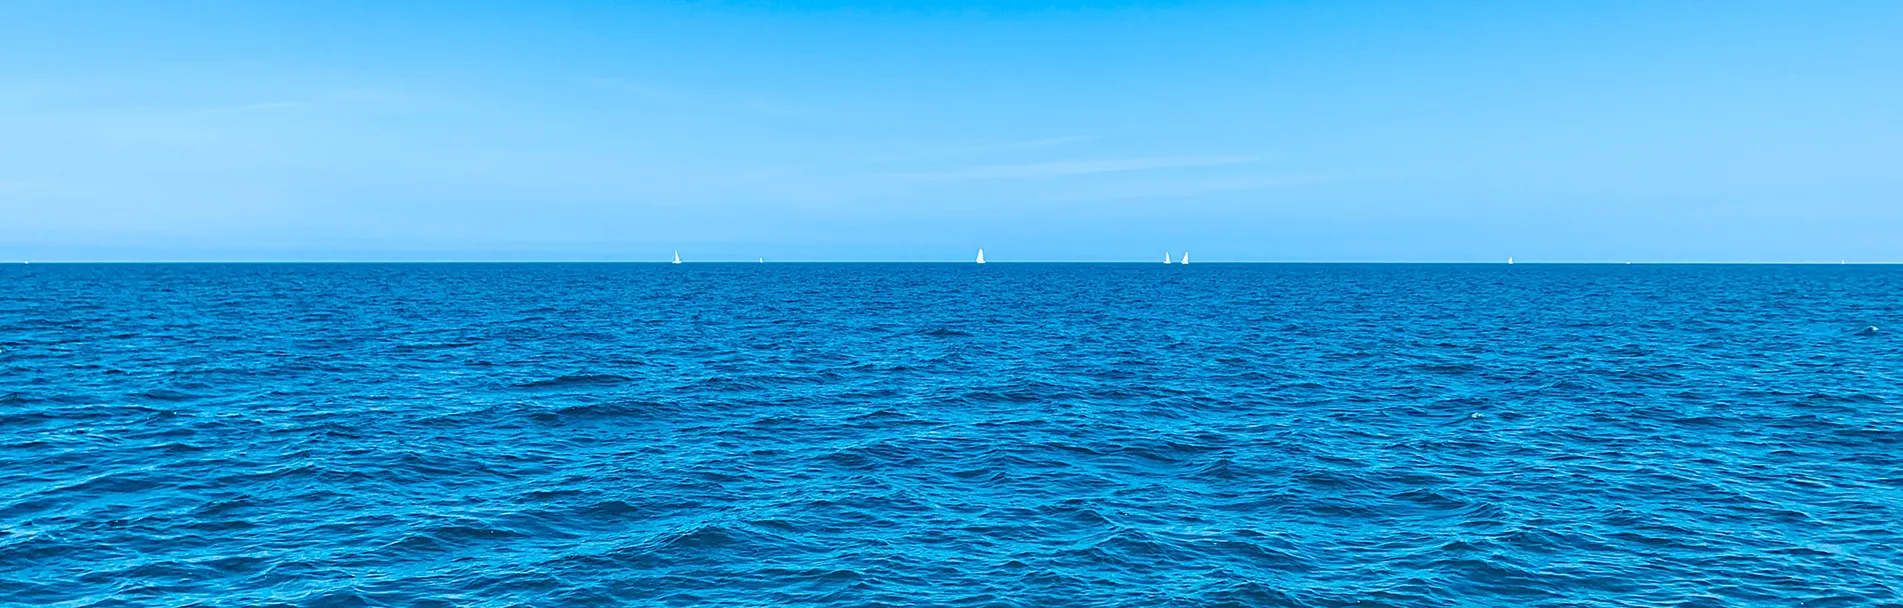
(762, 260)
(1509, 261)
(1166, 257)
(677, 257)
(981, 256)
(1185, 257)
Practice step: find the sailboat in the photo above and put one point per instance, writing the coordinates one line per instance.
(1509, 260)
(677, 257)
(981, 256)
(1166, 257)
(1185, 257)
(762, 260)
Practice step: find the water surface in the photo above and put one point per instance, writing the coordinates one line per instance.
(956, 435)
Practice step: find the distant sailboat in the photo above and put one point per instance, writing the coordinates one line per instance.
(762, 260)
(1166, 257)
(1185, 257)
(981, 256)
(1509, 260)
(677, 257)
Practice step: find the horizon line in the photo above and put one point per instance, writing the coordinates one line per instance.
(758, 262)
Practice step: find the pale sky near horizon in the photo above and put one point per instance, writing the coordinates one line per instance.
(1354, 131)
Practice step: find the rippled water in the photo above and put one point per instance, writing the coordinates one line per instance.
(998, 435)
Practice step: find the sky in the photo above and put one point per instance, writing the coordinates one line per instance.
(1699, 131)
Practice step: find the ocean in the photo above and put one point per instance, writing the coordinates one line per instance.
(950, 435)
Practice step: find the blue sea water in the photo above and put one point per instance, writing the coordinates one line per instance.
(950, 435)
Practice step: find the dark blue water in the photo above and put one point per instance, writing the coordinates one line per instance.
(957, 435)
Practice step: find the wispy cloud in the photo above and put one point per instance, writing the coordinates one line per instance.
(1034, 143)
(261, 107)
(1067, 168)
(980, 149)
(353, 99)
(638, 89)
(676, 96)
(1178, 188)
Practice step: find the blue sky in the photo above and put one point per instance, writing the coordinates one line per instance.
(1380, 131)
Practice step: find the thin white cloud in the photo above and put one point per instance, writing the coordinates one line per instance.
(1037, 143)
(1178, 188)
(1067, 168)
(644, 90)
(1030, 144)
(674, 96)
(983, 148)
(352, 99)
(261, 107)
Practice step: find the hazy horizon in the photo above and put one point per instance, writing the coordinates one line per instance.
(993, 261)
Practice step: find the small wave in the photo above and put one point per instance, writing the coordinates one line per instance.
(424, 346)
(1450, 369)
(699, 537)
(596, 410)
(169, 395)
(576, 380)
(945, 333)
